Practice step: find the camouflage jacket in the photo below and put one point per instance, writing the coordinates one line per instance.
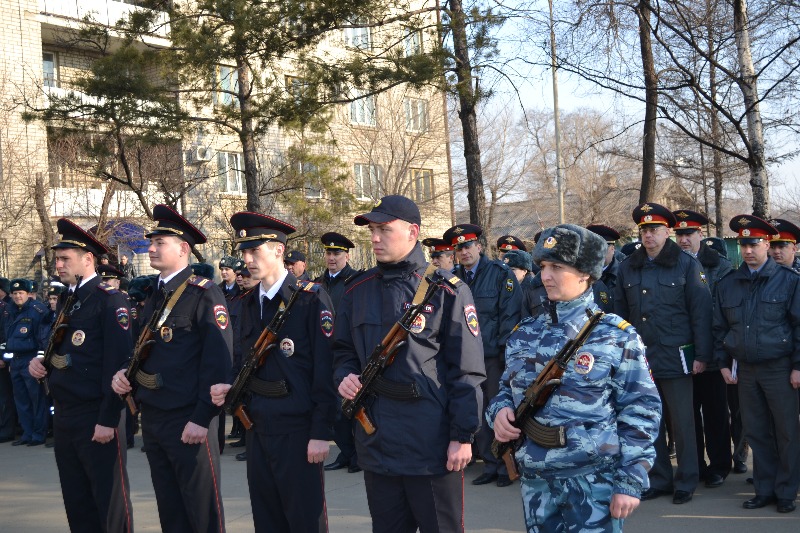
(611, 394)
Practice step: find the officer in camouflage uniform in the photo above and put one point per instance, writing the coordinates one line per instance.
(607, 401)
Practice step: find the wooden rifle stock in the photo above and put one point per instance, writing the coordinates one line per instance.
(235, 398)
(141, 351)
(382, 356)
(538, 392)
(57, 333)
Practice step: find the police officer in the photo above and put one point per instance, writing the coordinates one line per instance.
(296, 264)
(783, 245)
(337, 275)
(711, 414)
(507, 243)
(612, 259)
(53, 295)
(228, 275)
(442, 253)
(8, 412)
(192, 352)
(26, 336)
(757, 341)
(661, 291)
(96, 342)
(293, 402)
(499, 301)
(429, 403)
(606, 398)
(139, 289)
(110, 275)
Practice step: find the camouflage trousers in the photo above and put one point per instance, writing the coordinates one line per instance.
(575, 504)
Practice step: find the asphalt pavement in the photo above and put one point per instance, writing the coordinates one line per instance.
(30, 501)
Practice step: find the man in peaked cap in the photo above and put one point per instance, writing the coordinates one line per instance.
(192, 351)
(661, 291)
(110, 275)
(611, 261)
(442, 253)
(711, 414)
(717, 244)
(507, 243)
(431, 394)
(783, 245)
(26, 336)
(226, 271)
(757, 342)
(499, 301)
(292, 402)
(90, 445)
(295, 262)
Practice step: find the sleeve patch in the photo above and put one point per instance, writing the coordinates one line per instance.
(221, 316)
(326, 322)
(510, 285)
(472, 319)
(123, 318)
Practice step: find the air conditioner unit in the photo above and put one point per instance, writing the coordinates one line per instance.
(198, 154)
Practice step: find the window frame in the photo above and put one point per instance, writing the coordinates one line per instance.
(417, 113)
(363, 110)
(415, 175)
(374, 176)
(235, 173)
(55, 82)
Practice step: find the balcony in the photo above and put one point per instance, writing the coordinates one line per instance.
(106, 12)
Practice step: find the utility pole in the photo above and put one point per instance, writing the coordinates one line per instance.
(556, 119)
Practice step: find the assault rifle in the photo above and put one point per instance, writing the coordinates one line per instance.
(57, 333)
(383, 356)
(538, 392)
(235, 399)
(141, 351)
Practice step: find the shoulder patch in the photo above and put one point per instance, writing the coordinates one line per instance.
(510, 285)
(107, 288)
(326, 322)
(123, 318)
(199, 281)
(471, 317)
(221, 316)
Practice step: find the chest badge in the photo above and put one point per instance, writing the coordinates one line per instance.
(287, 347)
(584, 363)
(418, 325)
(78, 337)
(23, 330)
(166, 333)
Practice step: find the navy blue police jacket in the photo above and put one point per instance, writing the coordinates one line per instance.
(668, 302)
(192, 351)
(335, 286)
(443, 359)
(757, 320)
(301, 358)
(98, 340)
(26, 328)
(499, 301)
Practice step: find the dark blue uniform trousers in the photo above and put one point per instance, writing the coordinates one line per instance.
(94, 479)
(287, 493)
(30, 399)
(185, 477)
(8, 412)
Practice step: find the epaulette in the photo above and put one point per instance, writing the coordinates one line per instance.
(41, 309)
(308, 286)
(353, 276)
(199, 281)
(451, 279)
(107, 288)
(616, 321)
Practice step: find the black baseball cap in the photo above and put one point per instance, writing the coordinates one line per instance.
(389, 208)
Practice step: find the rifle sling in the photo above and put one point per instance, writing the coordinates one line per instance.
(172, 302)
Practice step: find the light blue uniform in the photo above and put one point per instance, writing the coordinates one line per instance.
(609, 405)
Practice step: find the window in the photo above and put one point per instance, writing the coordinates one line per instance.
(358, 37)
(362, 110)
(50, 69)
(311, 182)
(230, 172)
(416, 114)
(368, 181)
(422, 184)
(412, 42)
(227, 85)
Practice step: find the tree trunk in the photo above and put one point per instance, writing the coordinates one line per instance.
(247, 138)
(759, 181)
(716, 136)
(476, 196)
(648, 187)
(48, 236)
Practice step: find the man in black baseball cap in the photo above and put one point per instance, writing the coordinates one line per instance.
(226, 271)
(295, 262)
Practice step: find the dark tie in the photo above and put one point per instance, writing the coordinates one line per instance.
(470, 275)
(264, 309)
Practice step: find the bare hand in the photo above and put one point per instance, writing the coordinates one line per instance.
(727, 375)
(794, 379)
(503, 430)
(317, 451)
(103, 434)
(2, 364)
(218, 393)
(349, 386)
(120, 383)
(459, 454)
(36, 368)
(698, 367)
(194, 434)
(622, 505)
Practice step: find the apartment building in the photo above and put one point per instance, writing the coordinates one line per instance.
(393, 142)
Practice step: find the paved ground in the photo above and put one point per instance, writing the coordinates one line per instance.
(30, 501)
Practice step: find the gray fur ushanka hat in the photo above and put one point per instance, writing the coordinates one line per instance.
(574, 246)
